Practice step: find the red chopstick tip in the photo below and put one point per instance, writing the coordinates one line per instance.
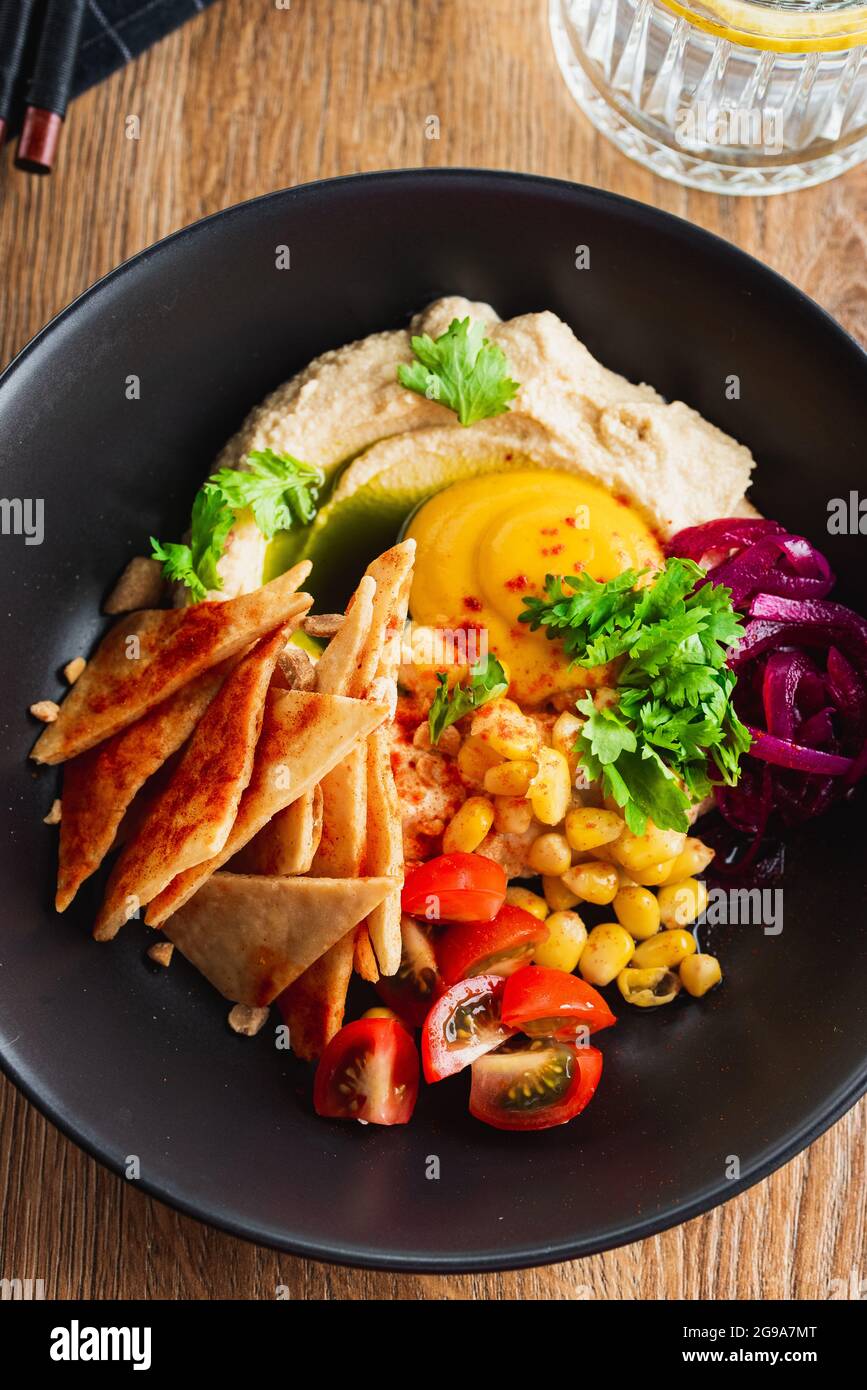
(37, 144)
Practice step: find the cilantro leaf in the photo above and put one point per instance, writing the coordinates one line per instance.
(196, 564)
(462, 370)
(647, 790)
(671, 732)
(278, 489)
(605, 732)
(487, 682)
(177, 563)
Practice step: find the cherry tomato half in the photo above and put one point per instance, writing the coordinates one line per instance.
(462, 1025)
(543, 1084)
(455, 888)
(500, 946)
(551, 1004)
(369, 1071)
(417, 983)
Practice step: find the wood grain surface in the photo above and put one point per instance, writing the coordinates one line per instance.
(247, 98)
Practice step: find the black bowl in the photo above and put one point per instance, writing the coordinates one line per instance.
(699, 1100)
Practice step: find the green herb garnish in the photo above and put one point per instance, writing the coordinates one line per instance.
(461, 370)
(673, 708)
(487, 681)
(196, 564)
(279, 490)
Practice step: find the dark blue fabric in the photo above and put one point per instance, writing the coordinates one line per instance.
(116, 31)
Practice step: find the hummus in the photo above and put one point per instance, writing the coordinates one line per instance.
(570, 413)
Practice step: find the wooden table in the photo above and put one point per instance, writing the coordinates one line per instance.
(249, 98)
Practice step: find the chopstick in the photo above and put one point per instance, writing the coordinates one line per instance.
(50, 84)
(14, 22)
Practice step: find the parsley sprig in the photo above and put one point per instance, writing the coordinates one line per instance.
(279, 490)
(462, 370)
(196, 564)
(671, 724)
(487, 681)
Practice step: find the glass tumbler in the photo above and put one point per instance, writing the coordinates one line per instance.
(731, 96)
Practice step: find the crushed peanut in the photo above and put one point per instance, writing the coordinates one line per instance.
(53, 817)
(161, 952)
(247, 1020)
(140, 586)
(73, 669)
(323, 625)
(45, 710)
(296, 669)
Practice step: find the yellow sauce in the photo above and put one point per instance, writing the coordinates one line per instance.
(486, 543)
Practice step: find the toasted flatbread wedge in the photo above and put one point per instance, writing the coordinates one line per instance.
(380, 656)
(338, 665)
(344, 819)
(384, 851)
(344, 791)
(288, 843)
(99, 785)
(384, 854)
(314, 1006)
(252, 935)
(363, 955)
(191, 819)
(149, 655)
(303, 736)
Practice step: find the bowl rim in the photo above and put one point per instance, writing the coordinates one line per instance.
(355, 1255)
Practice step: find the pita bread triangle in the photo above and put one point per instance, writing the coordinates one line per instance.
(287, 844)
(252, 935)
(315, 1004)
(191, 818)
(303, 736)
(149, 655)
(100, 784)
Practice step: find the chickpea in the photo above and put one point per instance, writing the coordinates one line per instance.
(609, 950)
(512, 815)
(639, 852)
(511, 778)
(682, 903)
(595, 882)
(648, 988)
(693, 859)
(637, 910)
(588, 827)
(567, 937)
(468, 826)
(549, 854)
(666, 949)
(699, 973)
(551, 787)
(474, 760)
(558, 897)
(530, 902)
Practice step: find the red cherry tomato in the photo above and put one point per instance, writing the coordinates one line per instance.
(412, 991)
(500, 946)
(538, 1086)
(369, 1071)
(455, 888)
(462, 1025)
(551, 1004)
